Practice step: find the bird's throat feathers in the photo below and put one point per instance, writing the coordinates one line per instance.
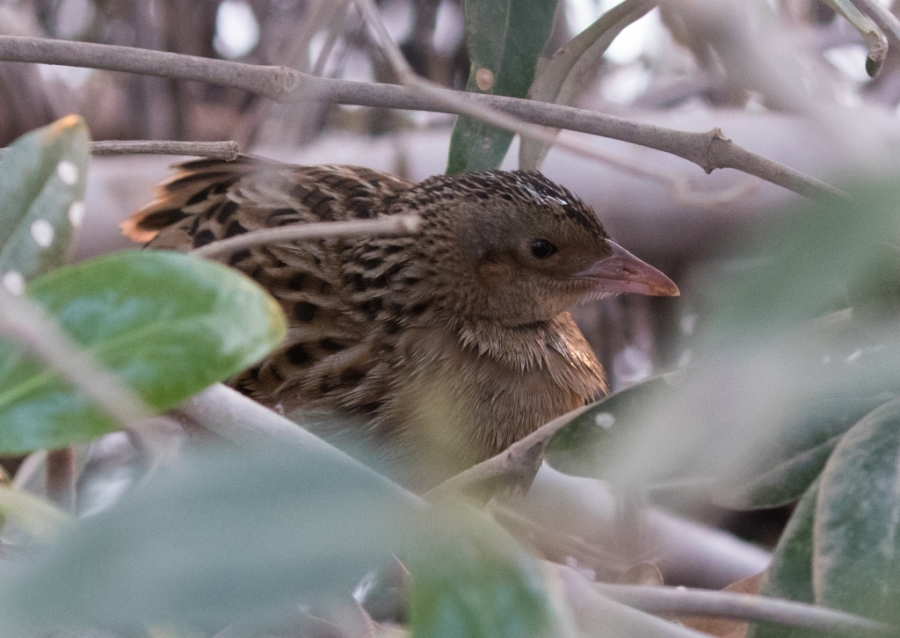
(550, 345)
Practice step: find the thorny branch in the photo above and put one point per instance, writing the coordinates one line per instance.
(708, 150)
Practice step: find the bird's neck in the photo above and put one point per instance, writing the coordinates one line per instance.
(529, 346)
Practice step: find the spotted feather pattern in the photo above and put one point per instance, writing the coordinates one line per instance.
(373, 335)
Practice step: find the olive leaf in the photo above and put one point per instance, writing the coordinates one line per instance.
(504, 39)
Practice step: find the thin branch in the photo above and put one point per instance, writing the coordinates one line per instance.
(227, 151)
(549, 137)
(394, 225)
(241, 420)
(60, 478)
(882, 17)
(710, 150)
(515, 467)
(698, 602)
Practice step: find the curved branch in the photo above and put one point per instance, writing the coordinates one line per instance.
(708, 150)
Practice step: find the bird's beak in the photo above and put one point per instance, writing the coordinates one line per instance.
(623, 272)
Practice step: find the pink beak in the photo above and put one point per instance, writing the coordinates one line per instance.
(623, 272)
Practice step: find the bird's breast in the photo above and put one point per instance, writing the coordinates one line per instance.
(456, 405)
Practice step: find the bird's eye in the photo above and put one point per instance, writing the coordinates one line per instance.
(541, 248)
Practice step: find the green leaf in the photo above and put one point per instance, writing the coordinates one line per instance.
(585, 446)
(856, 554)
(168, 323)
(505, 38)
(785, 466)
(571, 70)
(42, 181)
(224, 536)
(790, 574)
(470, 580)
(33, 514)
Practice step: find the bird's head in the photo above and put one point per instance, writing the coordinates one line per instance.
(520, 249)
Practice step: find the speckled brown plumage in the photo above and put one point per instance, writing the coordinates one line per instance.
(442, 348)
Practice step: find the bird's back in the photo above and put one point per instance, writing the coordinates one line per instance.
(330, 356)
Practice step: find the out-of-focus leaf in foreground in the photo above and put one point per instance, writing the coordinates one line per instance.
(167, 323)
(790, 574)
(42, 181)
(504, 38)
(220, 537)
(765, 359)
(472, 581)
(856, 551)
(587, 445)
(795, 456)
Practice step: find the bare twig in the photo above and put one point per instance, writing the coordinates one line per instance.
(243, 421)
(515, 467)
(394, 225)
(60, 468)
(717, 604)
(548, 137)
(710, 150)
(227, 151)
(882, 17)
(218, 150)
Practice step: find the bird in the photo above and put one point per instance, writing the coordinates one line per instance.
(438, 349)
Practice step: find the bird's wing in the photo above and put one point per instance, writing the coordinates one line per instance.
(327, 359)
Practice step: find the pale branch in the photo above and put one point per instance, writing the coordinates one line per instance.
(217, 150)
(392, 225)
(599, 616)
(882, 17)
(272, 82)
(717, 604)
(708, 150)
(241, 420)
(514, 468)
(497, 117)
(60, 478)
(227, 151)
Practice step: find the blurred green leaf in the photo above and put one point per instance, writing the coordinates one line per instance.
(33, 514)
(792, 459)
(790, 573)
(472, 581)
(223, 536)
(585, 446)
(856, 535)
(504, 38)
(168, 323)
(572, 69)
(765, 358)
(42, 181)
